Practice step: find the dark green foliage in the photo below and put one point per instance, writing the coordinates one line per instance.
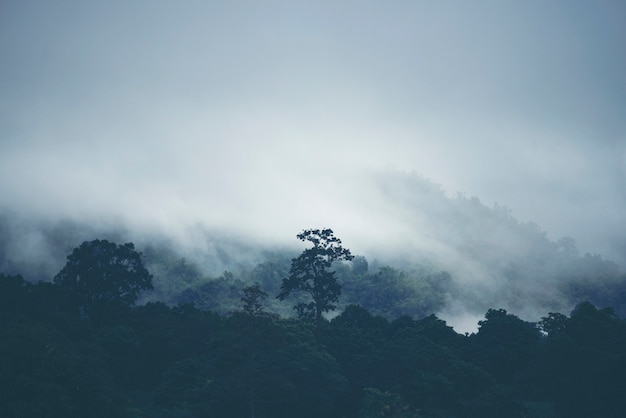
(120, 349)
(384, 404)
(99, 274)
(584, 362)
(221, 294)
(185, 388)
(165, 362)
(255, 366)
(269, 274)
(495, 402)
(409, 366)
(355, 339)
(310, 273)
(392, 293)
(431, 376)
(45, 374)
(504, 344)
(13, 293)
(554, 324)
(254, 301)
(160, 361)
(167, 335)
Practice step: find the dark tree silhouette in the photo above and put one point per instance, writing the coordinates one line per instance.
(101, 273)
(310, 273)
(504, 344)
(253, 299)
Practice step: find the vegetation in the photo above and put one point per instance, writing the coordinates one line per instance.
(101, 273)
(311, 273)
(81, 345)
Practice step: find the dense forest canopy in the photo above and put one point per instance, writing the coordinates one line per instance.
(81, 346)
(467, 313)
(165, 331)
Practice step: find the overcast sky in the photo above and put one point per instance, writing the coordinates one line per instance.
(273, 115)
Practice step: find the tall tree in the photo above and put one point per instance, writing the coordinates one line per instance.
(311, 273)
(253, 302)
(100, 273)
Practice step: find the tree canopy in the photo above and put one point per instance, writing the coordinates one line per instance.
(100, 272)
(311, 273)
(173, 361)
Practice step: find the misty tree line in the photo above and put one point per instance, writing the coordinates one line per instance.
(382, 289)
(81, 346)
(489, 259)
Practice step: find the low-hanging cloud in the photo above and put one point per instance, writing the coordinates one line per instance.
(262, 121)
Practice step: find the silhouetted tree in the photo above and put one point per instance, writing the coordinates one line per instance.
(253, 298)
(310, 273)
(101, 273)
(554, 324)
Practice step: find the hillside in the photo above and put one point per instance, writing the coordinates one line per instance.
(430, 253)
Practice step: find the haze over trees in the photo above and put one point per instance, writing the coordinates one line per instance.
(454, 256)
(106, 330)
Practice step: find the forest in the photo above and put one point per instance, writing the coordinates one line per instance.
(324, 334)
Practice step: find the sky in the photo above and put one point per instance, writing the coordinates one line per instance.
(268, 117)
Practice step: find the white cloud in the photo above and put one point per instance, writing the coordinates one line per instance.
(272, 118)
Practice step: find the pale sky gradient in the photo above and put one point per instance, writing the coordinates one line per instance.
(274, 116)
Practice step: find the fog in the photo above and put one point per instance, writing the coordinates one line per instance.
(260, 120)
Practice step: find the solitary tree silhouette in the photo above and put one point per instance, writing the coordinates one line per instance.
(101, 273)
(310, 273)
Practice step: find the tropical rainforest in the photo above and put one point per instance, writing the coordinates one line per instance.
(99, 321)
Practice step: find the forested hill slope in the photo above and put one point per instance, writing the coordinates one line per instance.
(423, 252)
(493, 258)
